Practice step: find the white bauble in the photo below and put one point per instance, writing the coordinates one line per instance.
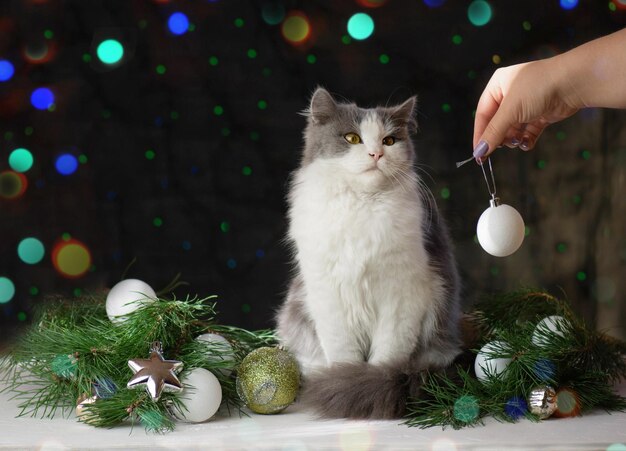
(201, 396)
(547, 327)
(500, 230)
(126, 297)
(484, 366)
(224, 350)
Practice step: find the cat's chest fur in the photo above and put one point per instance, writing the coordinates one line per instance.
(351, 237)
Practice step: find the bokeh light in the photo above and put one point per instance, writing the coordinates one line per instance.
(7, 290)
(466, 409)
(12, 184)
(178, 23)
(30, 250)
(371, 3)
(110, 51)
(360, 26)
(296, 28)
(71, 258)
(479, 13)
(434, 3)
(273, 13)
(66, 164)
(42, 98)
(569, 4)
(568, 403)
(21, 160)
(6, 70)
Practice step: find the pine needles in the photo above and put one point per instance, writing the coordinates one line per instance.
(576, 360)
(73, 350)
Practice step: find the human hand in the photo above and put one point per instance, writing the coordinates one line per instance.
(518, 103)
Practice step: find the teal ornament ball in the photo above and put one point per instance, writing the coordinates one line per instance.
(268, 380)
(64, 365)
(466, 409)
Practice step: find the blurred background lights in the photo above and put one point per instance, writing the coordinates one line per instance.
(479, 13)
(434, 3)
(12, 184)
(21, 160)
(66, 164)
(71, 258)
(30, 250)
(110, 51)
(178, 23)
(360, 26)
(569, 4)
(371, 3)
(6, 70)
(42, 98)
(273, 13)
(296, 28)
(7, 290)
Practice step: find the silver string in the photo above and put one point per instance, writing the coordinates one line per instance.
(493, 180)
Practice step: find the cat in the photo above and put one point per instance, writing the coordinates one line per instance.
(374, 298)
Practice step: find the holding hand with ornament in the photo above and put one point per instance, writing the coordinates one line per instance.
(520, 101)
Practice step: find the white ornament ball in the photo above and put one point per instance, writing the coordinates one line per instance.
(485, 366)
(201, 396)
(546, 328)
(126, 297)
(500, 230)
(224, 351)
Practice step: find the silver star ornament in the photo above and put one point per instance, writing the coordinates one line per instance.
(156, 373)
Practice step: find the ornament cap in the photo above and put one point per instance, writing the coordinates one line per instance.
(494, 202)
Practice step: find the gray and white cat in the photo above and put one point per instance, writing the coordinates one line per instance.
(374, 298)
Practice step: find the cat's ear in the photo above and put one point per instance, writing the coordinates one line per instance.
(323, 107)
(405, 114)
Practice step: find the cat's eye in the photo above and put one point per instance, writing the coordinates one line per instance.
(352, 138)
(389, 140)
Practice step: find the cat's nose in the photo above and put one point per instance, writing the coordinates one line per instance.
(377, 155)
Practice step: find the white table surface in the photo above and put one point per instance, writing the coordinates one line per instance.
(296, 429)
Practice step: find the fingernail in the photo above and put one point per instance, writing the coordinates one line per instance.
(515, 141)
(525, 144)
(481, 149)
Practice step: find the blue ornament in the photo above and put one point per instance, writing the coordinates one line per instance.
(104, 388)
(516, 407)
(544, 370)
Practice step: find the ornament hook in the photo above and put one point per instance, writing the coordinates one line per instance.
(493, 192)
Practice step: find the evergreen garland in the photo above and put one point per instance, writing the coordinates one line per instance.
(73, 350)
(574, 357)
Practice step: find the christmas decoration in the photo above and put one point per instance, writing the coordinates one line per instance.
(81, 412)
(126, 297)
(547, 329)
(542, 401)
(580, 365)
(466, 409)
(74, 352)
(488, 367)
(500, 229)
(567, 403)
(201, 398)
(268, 380)
(155, 373)
(220, 351)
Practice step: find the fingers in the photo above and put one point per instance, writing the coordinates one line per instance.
(499, 129)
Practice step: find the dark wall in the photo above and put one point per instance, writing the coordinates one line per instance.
(185, 147)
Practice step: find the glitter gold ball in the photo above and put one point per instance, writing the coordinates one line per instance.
(268, 380)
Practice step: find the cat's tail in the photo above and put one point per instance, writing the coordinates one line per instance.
(361, 390)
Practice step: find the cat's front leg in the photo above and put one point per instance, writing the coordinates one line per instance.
(393, 340)
(339, 343)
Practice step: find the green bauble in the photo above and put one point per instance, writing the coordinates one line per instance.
(268, 380)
